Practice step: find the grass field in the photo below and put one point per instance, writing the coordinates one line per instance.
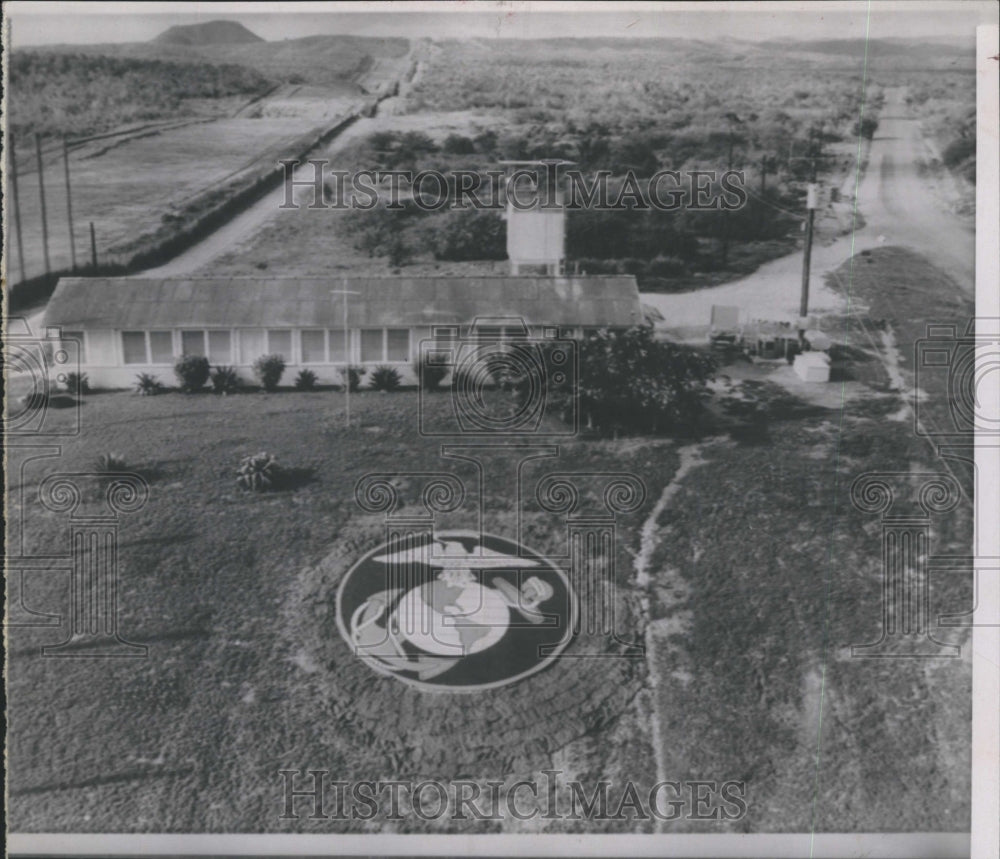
(758, 575)
(139, 185)
(151, 159)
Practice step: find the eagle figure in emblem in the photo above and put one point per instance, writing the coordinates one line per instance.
(453, 613)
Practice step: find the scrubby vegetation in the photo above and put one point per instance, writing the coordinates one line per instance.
(631, 382)
(78, 95)
(946, 103)
(640, 108)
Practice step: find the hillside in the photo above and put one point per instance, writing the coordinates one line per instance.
(209, 33)
(319, 60)
(78, 95)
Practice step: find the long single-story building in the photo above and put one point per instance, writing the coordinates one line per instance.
(127, 326)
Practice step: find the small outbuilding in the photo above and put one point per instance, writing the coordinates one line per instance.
(127, 326)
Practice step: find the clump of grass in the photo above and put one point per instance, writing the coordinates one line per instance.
(147, 385)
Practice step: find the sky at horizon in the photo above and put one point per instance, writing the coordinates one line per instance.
(34, 24)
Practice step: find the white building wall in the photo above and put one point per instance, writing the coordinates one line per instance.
(104, 362)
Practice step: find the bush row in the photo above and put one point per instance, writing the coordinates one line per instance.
(194, 372)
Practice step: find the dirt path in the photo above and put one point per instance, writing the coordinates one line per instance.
(656, 640)
(899, 208)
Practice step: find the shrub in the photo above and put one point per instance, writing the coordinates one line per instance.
(866, 127)
(305, 381)
(268, 369)
(109, 463)
(385, 378)
(77, 383)
(257, 472)
(467, 235)
(225, 380)
(429, 375)
(192, 372)
(147, 385)
(958, 150)
(353, 376)
(457, 144)
(631, 382)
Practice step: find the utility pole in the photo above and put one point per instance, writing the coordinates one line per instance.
(17, 211)
(812, 203)
(93, 246)
(69, 206)
(41, 193)
(765, 165)
(725, 217)
(812, 195)
(733, 120)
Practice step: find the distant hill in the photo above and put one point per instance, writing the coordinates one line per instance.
(209, 33)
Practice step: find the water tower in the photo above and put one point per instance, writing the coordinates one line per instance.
(536, 217)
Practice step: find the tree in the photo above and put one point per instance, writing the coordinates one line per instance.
(467, 235)
(632, 382)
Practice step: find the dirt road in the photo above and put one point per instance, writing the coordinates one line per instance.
(899, 207)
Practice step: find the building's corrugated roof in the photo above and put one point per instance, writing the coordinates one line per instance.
(251, 302)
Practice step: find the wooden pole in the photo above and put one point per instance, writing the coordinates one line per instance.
(806, 258)
(41, 193)
(17, 212)
(69, 206)
(811, 203)
(93, 246)
(725, 216)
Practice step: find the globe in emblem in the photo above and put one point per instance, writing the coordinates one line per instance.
(456, 611)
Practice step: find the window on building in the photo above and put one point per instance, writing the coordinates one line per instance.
(219, 347)
(338, 352)
(76, 337)
(193, 342)
(397, 344)
(443, 349)
(313, 347)
(279, 342)
(161, 347)
(134, 347)
(371, 344)
(251, 345)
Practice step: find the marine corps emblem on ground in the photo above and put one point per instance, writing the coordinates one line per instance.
(456, 611)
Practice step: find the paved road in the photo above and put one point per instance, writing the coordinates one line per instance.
(899, 207)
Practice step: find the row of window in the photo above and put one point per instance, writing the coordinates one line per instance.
(312, 346)
(315, 346)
